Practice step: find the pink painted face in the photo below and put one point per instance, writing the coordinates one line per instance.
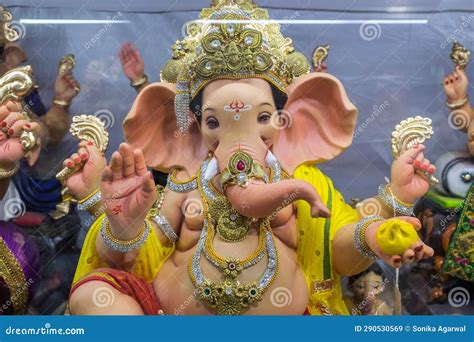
(238, 113)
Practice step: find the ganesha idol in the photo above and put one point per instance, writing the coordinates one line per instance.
(245, 214)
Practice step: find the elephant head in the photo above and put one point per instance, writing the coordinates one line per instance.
(313, 125)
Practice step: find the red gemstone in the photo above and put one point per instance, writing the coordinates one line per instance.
(240, 165)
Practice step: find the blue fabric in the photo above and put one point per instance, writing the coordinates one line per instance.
(39, 195)
(33, 101)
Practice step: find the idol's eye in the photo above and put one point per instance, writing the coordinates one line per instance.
(264, 117)
(212, 122)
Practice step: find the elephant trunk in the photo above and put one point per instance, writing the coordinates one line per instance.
(262, 200)
(259, 199)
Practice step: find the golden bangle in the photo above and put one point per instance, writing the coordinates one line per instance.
(4, 174)
(123, 242)
(88, 196)
(124, 246)
(61, 103)
(405, 204)
(138, 83)
(457, 104)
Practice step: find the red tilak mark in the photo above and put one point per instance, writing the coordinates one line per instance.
(7, 147)
(237, 105)
(117, 210)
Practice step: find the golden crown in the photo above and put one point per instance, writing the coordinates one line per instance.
(231, 40)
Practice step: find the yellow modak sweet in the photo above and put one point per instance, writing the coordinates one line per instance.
(395, 236)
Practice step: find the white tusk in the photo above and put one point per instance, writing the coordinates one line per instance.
(211, 169)
(271, 159)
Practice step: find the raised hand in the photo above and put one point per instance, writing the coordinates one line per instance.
(455, 85)
(66, 87)
(415, 252)
(128, 192)
(132, 63)
(87, 180)
(12, 124)
(408, 185)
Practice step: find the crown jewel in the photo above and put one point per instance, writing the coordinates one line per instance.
(232, 40)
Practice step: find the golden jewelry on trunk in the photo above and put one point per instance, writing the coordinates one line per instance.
(240, 170)
(4, 174)
(457, 104)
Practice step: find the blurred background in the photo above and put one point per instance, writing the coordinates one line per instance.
(391, 69)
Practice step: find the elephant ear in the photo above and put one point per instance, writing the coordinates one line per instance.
(151, 127)
(320, 125)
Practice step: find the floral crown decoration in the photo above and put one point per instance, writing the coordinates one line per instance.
(234, 39)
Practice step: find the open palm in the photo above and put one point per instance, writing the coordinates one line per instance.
(128, 191)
